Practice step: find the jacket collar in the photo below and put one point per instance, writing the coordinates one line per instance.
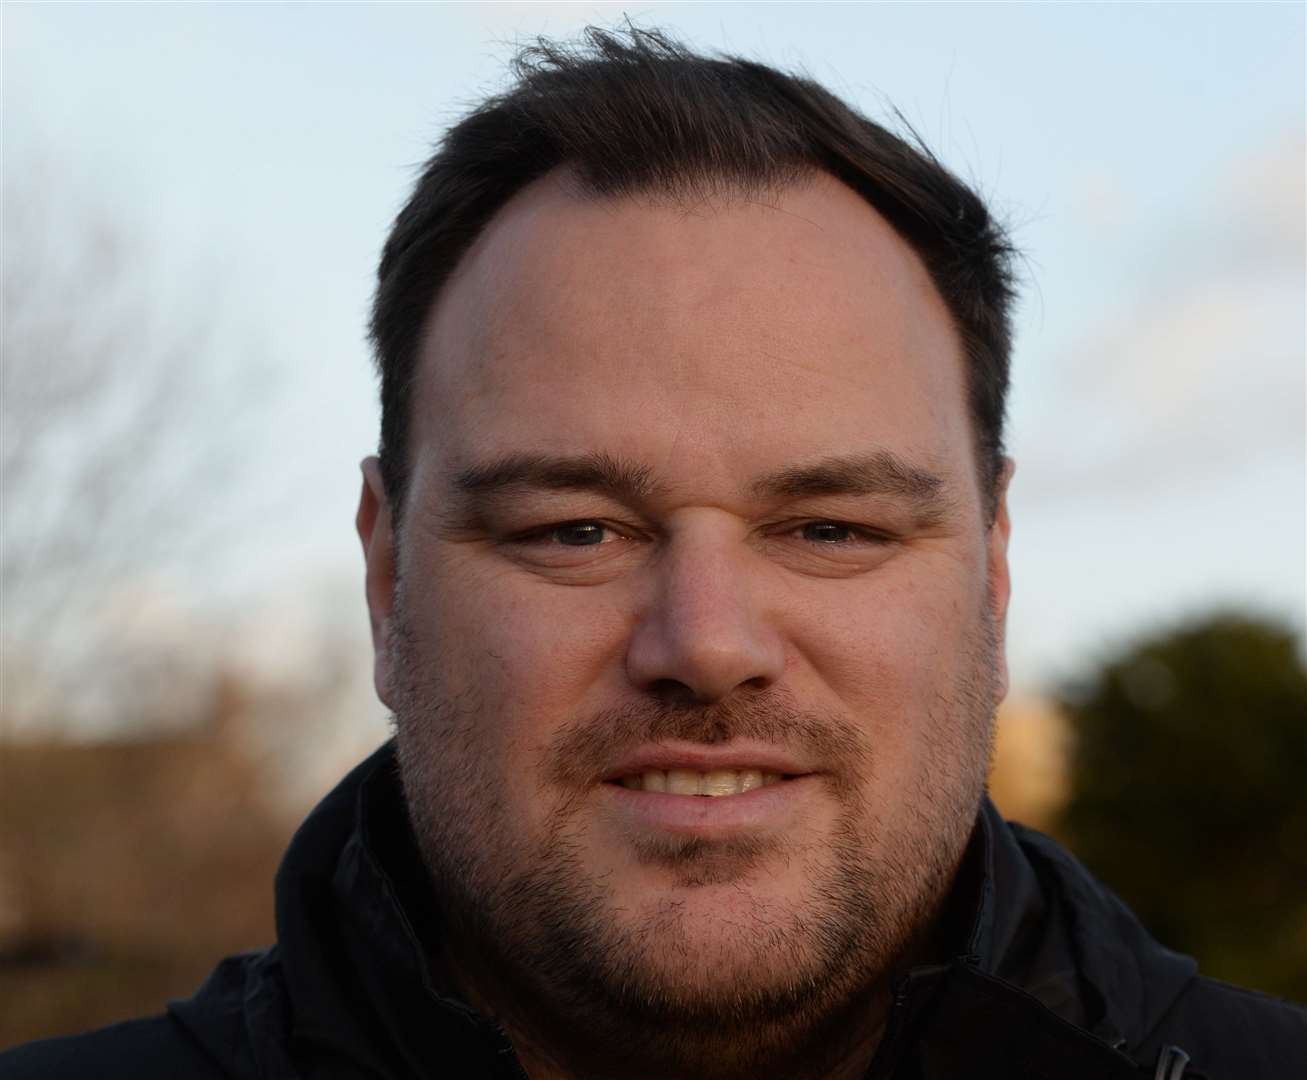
(1044, 925)
(1017, 933)
(352, 916)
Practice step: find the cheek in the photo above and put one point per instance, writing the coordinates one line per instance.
(529, 653)
(893, 647)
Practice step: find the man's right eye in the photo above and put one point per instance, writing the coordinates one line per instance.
(577, 534)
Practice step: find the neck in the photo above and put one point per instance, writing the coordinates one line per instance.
(558, 1033)
(851, 1062)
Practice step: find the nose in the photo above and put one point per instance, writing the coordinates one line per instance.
(707, 631)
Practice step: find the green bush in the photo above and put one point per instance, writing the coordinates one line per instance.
(1189, 794)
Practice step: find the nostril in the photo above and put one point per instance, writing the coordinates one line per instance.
(673, 692)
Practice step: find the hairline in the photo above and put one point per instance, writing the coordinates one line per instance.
(690, 193)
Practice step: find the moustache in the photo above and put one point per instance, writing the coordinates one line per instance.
(582, 752)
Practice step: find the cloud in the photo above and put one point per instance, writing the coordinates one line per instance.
(1205, 369)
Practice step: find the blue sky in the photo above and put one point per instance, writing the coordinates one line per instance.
(1149, 157)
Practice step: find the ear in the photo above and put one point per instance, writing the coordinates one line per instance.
(1000, 578)
(375, 527)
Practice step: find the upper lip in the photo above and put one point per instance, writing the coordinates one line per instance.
(700, 758)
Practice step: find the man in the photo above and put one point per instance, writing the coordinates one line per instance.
(687, 566)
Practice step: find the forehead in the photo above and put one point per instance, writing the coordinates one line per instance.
(709, 341)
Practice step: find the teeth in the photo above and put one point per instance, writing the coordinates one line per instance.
(683, 782)
(721, 782)
(688, 782)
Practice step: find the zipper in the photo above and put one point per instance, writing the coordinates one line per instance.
(893, 1026)
(1171, 1063)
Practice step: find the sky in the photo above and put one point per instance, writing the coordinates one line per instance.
(1148, 158)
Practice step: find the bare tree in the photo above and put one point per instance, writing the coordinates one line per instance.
(123, 427)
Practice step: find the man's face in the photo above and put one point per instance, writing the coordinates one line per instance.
(693, 508)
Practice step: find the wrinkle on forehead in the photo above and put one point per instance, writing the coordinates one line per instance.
(550, 234)
(582, 315)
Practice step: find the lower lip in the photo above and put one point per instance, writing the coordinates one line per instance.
(705, 815)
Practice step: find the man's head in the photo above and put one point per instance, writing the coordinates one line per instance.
(694, 451)
(637, 113)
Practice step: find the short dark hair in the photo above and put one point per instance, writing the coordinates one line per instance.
(633, 111)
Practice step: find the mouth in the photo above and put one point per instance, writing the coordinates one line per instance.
(682, 768)
(705, 791)
(712, 784)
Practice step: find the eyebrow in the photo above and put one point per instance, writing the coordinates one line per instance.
(880, 473)
(601, 472)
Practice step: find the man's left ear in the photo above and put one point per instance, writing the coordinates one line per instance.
(1000, 578)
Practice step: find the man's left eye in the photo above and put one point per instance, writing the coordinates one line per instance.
(828, 532)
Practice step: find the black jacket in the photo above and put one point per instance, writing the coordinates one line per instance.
(1054, 978)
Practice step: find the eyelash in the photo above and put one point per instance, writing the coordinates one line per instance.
(544, 532)
(856, 533)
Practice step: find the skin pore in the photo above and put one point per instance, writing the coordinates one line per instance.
(692, 493)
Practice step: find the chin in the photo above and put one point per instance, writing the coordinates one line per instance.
(692, 963)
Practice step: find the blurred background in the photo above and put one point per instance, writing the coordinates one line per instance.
(194, 198)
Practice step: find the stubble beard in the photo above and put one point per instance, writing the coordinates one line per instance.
(536, 938)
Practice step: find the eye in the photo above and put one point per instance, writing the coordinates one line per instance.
(838, 537)
(577, 533)
(828, 532)
(830, 548)
(582, 551)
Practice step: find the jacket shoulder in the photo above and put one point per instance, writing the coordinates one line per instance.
(152, 1048)
(1152, 997)
(1231, 1033)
